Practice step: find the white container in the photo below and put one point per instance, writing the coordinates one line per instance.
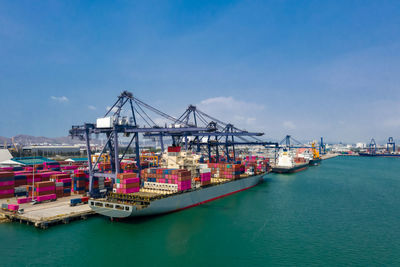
(106, 122)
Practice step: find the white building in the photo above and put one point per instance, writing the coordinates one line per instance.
(361, 145)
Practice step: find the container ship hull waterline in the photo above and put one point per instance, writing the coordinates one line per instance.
(296, 168)
(175, 202)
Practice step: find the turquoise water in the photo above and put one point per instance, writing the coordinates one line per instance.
(344, 212)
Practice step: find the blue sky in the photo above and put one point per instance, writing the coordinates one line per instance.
(305, 68)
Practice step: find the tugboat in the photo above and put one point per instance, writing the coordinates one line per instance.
(316, 160)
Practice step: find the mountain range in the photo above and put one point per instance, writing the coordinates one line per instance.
(30, 140)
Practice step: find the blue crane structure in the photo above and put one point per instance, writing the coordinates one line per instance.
(121, 125)
(391, 144)
(372, 146)
(223, 137)
(290, 142)
(322, 147)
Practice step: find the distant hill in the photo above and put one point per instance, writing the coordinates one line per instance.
(30, 140)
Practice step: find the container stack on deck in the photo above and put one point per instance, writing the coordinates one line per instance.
(175, 158)
(155, 178)
(205, 174)
(127, 183)
(254, 164)
(226, 170)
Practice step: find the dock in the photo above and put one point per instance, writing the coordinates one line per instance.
(329, 156)
(47, 214)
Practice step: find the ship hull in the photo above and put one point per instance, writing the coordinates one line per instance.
(294, 169)
(379, 155)
(176, 202)
(315, 162)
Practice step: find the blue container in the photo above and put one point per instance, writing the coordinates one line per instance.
(75, 201)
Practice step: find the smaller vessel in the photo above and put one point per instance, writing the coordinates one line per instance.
(316, 159)
(287, 164)
(388, 155)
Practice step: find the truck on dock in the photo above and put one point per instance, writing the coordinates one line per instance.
(78, 201)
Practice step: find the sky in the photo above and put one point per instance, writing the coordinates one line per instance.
(304, 68)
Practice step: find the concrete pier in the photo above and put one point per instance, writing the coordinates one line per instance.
(46, 214)
(329, 156)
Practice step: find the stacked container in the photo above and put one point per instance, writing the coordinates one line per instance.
(226, 170)
(67, 182)
(255, 165)
(205, 174)
(6, 185)
(80, 182)
(21, 178)
(127, 183)
(54, 166)
(59, 189)
(104, 166)
(169, 176)
(45, 188)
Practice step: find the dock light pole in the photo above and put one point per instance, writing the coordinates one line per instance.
(33, 181)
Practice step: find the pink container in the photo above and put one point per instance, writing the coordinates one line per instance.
(131, 190)
(30, 180)
(13, 207)
(7, 183)
(130, 180)
(47, 188)
(24, 200)
(70, 167)
(46, 197)
(7, 192)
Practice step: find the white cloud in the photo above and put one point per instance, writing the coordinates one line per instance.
(289, 125)
(92, 107)
(229, 103)
(229, 109)
(61, 99)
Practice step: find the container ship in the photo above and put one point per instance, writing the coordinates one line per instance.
(180, 183)
(148, 203)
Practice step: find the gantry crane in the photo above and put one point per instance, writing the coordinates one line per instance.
(115, 123)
